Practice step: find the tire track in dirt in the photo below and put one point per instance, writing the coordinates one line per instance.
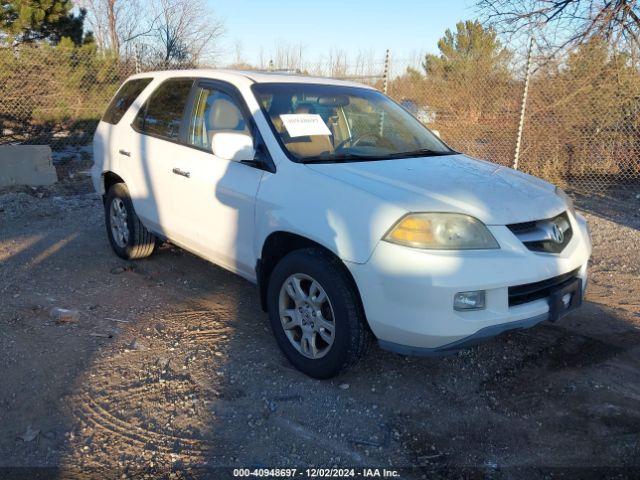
(119, 412)
(96, 415)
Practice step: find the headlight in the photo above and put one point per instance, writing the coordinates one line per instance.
(568, 200)
(441, 231)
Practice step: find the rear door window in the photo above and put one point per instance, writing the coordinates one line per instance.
(163, 113)
(124, 98)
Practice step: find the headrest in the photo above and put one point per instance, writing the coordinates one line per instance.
(224, 115)
(305, 109)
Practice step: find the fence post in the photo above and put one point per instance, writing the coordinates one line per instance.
(385, 74)
(385, 86)
(136, 55)
(523, 107)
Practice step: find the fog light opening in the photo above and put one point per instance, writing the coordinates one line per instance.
(469, 300)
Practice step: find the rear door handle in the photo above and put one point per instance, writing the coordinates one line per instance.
(177, 171)
(124, 152)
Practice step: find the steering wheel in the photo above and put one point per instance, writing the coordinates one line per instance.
(355, 141)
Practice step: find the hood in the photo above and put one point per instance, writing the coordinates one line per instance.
(492, 193)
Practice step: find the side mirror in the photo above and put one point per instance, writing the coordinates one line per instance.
(233, 146)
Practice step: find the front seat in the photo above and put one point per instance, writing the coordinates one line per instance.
(311, 146)
(225, 116)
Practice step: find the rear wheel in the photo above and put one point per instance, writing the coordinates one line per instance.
(128, 236)
(315, 313)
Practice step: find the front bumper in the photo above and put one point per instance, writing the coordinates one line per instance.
(408, 293)
(480, 336)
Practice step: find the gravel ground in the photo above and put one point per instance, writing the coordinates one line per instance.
(170, 369)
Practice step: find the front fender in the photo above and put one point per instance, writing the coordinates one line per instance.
(342, 218)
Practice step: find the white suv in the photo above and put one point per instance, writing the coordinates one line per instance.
(351, 217)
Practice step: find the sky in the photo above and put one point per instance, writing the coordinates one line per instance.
(407, 28)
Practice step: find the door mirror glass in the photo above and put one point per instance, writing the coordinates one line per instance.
(233, 146)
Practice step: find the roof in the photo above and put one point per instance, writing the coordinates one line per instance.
(252, 76)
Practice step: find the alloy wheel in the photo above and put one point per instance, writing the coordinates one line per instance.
(118, 222)
(307, 316)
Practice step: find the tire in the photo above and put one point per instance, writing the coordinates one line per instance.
(351, 335)
(139, 242)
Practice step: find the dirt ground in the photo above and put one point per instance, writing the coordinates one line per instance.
(171, 370)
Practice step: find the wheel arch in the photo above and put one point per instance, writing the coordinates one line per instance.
(280, 243)
(109, 179)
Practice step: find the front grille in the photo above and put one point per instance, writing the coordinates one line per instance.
(539, 236)
(523, 227)
(535, 291)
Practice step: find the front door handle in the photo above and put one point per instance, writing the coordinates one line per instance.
(177, 171)
(124, 152)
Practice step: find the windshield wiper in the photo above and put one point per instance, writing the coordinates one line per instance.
(342, 158)
(422, 152)
(345, 157)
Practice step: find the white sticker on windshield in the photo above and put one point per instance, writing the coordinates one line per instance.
(304, 124)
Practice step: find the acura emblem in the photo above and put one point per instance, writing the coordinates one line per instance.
(557, 235)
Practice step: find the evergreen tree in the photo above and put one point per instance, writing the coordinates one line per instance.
(472, 49)
(29, 21)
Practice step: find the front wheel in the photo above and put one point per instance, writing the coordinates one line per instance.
(128, 236)
(315, 313)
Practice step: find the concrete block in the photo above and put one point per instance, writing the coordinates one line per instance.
(26, 165)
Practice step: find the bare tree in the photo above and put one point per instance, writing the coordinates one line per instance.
(366, 64)
(337, 63)
(238, 51)
(184, 31)
(239, 62)
(288, 57)
(114, 23)
(567, 22)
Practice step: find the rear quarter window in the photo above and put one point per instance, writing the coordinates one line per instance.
(124, 98)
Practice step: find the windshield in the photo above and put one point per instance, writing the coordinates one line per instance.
(330, 123)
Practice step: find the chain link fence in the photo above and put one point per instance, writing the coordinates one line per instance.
(55, 96)
(580, 128)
